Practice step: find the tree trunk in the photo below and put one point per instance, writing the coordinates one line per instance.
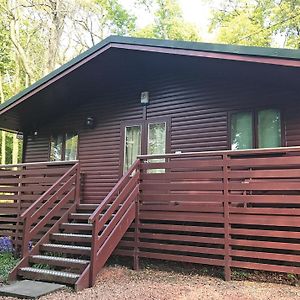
(15, 38)
(15, 152)
(3, 133)
(15, 33)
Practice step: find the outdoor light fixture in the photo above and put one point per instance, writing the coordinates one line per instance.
(35, 133)
(144, 98)
(89, 122)
(19, 135)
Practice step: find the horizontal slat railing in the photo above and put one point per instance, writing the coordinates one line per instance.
(62, 195)
(45, 215)
(225, 208)
(20, 186)
(111, 220)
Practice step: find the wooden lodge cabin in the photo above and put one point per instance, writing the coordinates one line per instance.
(216, 129)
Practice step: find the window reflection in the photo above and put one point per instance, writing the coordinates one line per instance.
(267, 133)
(132, 145)
(241, 131)
(64, 147)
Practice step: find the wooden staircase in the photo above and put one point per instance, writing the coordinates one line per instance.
(77, 246)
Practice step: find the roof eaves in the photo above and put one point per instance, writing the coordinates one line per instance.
(196, 46)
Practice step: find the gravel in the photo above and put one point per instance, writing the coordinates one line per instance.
(117, 282)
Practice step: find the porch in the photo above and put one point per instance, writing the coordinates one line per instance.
(224, 208)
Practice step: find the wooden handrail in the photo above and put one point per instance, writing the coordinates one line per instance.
(228, 152)
(31, 208)
(116, 188)
(35, 215)
(68, 183)
(123, 199)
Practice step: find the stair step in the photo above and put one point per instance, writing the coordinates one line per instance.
(71, 237)
(59, 261)
(84, 217)
(76, 226)
(70, 249)
(79, 216)
(48, 275)
(87, 207)
(90, 207)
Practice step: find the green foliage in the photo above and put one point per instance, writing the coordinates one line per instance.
(119, 20)
(286, 17)
(257, 23)
(7, 263)
(169, 23)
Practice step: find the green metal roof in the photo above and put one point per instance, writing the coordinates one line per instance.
(183, 45)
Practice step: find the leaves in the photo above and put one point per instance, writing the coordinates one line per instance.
(257, 22)
(169, 23)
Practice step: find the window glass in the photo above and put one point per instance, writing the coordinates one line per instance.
(132, 145)
(71, 146)
(56, 147)
(157, 138)
(269, 128)
(156, 143)
(241, 131)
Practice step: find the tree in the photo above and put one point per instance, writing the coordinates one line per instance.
(100, 18)
(38, 36)
(257, 23)
(168, 23)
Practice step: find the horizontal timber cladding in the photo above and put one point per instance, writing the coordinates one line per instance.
(225, 209)
(196, 104)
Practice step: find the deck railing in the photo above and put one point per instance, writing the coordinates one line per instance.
(226, 208)
(112, 218)
(21, 185)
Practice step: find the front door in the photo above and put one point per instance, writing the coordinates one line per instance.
(143, 137)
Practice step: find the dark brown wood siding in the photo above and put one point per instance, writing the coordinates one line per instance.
(198, 107)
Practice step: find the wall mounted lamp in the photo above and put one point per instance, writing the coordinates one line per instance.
(89, 122)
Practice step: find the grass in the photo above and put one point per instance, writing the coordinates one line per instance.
(7, 263)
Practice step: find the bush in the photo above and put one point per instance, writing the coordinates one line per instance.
(7, 263)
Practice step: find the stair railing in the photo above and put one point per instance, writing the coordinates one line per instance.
(49, 205)
(45, 215)
(118, 209)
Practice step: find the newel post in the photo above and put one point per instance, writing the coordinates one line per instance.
(18, 225)
(93, 273)
(227, 246)
(25, 240)
(78, 184)
(136, 260)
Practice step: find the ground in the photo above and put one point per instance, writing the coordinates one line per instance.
(159, 283)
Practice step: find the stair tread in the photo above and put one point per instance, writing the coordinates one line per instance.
(50, 272)
(67, 246)
(73, 235)
(77, 224)
(80, 214)
(57, 258)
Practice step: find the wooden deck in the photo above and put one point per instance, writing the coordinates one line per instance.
(229, 208)
(225, 208)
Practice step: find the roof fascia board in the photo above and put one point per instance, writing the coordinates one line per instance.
(215, 55)
(209, 47)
